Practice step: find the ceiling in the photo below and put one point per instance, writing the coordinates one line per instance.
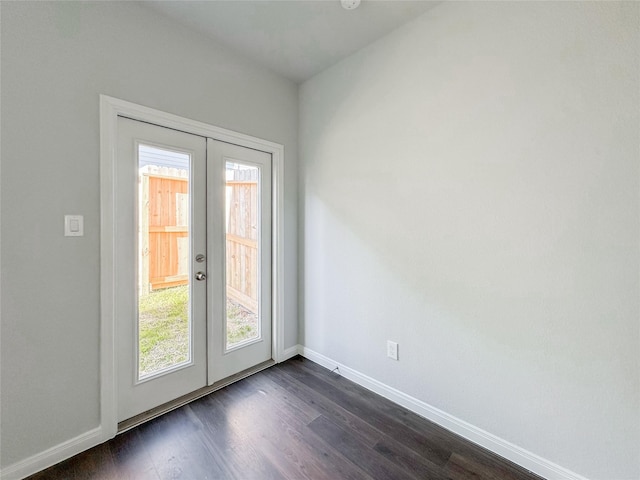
(295, 38)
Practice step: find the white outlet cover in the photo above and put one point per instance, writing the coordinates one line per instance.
(392, 349)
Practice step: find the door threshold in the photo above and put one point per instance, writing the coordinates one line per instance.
(190, 397)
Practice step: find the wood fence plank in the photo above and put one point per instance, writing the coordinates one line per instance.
(143, 235)
(167, 205)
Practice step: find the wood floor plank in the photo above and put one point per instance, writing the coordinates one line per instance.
(175, 445)
(283, 399)
(377, 466)
(65, 469)
(460, 467)
(283, 435)
(465, 450)
(280, 443)
(418, 465)
(293, 421)
(366, 409)
(231, 447)
(96, 463)
(131, 458)
(397, 412)
(326, 407)
(401, 414)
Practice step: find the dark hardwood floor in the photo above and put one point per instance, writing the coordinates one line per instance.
(296, 421)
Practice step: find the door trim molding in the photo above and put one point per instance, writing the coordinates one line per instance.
(110, 109)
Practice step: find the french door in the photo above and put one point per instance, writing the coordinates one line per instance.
(193, 272)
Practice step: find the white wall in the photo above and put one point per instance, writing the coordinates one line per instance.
(56, 59)
(469, 189)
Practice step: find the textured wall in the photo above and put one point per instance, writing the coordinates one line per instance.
(469, 189)
(57, 57)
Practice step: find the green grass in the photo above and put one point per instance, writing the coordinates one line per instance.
(164, 328)
(241, 323)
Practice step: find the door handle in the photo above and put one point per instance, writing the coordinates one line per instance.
(201, 276)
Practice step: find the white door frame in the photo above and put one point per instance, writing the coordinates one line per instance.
(110, 109)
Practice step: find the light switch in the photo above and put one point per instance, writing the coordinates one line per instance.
(73, 225)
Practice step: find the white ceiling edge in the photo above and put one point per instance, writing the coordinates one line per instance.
(295, 38)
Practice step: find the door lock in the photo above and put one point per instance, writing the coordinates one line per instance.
(200, 258)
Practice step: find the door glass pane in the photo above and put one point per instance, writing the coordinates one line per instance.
(164, 326)
(242, 254)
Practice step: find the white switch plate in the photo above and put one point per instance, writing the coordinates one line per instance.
(73, 225)
(392, 350)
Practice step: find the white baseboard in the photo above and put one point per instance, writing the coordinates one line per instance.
(76, 445)
(53, 455)
(497, 445)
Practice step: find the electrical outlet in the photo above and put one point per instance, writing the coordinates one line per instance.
(392, 350)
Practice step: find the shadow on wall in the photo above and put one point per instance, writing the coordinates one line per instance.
(469, 188)
(469, 203)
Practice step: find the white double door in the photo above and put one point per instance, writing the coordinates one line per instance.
(193, 263)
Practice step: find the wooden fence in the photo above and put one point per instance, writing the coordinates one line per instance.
(242, 238)
(164, 229)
